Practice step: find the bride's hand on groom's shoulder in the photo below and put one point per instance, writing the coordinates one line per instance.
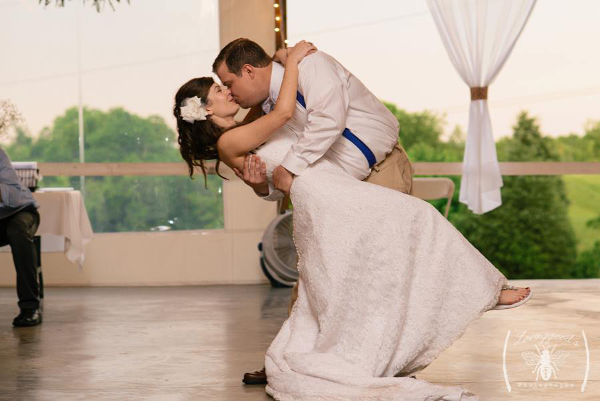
(295, 53)
(301, 50)
(281, 55)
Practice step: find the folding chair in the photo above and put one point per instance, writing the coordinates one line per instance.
(430, 188)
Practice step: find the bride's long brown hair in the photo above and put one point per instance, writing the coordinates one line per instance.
(197, 140)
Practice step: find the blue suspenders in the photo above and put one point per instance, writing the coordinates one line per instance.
(350, 136)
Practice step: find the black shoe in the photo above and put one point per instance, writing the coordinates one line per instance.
(256, 377)
(28, 317)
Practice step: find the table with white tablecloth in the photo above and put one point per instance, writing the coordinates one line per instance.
(63, 213)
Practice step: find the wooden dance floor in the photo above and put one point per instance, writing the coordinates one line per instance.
(195, 343)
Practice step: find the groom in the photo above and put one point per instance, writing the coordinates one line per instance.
(336, 117)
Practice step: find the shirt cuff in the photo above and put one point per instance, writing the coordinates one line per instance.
(274, 194)
(293, 163)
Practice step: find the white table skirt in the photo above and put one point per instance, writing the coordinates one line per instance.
(63, 213)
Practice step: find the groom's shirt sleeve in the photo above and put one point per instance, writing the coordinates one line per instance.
(324, 86)
(274, 194)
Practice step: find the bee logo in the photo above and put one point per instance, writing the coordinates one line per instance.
(546, 362)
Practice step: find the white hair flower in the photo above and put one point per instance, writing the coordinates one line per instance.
(192, 109)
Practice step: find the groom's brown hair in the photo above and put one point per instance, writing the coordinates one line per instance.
(239, 52)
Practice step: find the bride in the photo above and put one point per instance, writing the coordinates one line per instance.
(386, 282)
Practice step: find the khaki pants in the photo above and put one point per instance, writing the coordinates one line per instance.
(394, 172)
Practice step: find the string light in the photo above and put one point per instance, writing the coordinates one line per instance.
(280, 23)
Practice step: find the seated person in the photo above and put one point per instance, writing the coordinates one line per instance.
(19, 220)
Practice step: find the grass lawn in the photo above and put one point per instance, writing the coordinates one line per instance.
(583, 192)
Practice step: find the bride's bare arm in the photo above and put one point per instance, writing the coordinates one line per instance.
(255, 112)
(235, 143)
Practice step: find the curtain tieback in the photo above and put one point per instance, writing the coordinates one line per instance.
(479, 93)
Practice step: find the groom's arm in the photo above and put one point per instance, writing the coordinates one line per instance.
(325, 90)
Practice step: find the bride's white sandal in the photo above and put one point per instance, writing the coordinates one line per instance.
(514, 305)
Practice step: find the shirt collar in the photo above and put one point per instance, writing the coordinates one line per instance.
(276, 81)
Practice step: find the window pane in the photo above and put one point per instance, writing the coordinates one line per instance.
(120, 204)
(133, 69)
(132, 61)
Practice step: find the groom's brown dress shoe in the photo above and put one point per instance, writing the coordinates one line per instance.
(260, 377)
(256, 377)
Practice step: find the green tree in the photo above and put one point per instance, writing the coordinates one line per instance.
(530, 235)
(592, 135)
(125, 203)
(588, 263)
(113, 136)
(575, 148)
(417, 128)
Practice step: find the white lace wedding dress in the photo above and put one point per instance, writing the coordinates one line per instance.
(386, 285)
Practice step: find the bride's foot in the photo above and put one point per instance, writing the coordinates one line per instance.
(508, 297)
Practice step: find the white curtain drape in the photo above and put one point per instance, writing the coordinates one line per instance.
(479, 36)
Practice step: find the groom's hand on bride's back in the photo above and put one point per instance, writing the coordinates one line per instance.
(254, 174)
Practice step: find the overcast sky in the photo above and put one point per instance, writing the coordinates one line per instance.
(394, 47)
(139, 55)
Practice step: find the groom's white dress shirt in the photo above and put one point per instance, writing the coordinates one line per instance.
(335, 99)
